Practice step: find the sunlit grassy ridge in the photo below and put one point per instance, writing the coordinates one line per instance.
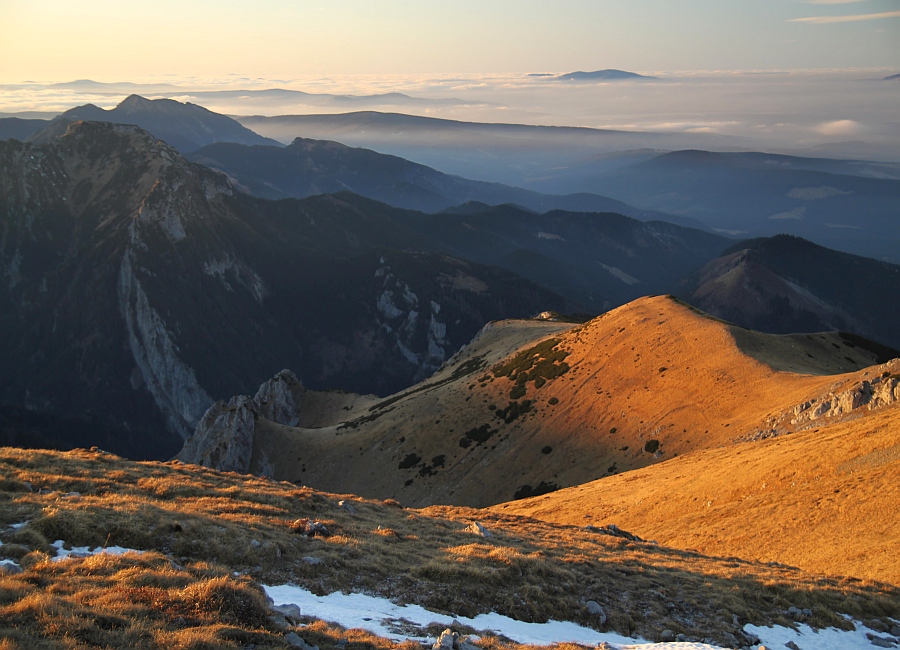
(201, 526)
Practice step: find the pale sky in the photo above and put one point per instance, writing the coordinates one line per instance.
(118, 40)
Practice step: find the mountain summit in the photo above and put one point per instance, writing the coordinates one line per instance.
(187, 127)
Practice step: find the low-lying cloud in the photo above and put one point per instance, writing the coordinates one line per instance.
(825, 20)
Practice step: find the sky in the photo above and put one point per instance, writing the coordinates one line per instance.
(116, 40)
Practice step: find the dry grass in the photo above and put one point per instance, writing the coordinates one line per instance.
(202, 525)
(826, 500)
(651, 370)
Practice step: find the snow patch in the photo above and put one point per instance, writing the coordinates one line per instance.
(807, 638)
(86, 551)
(380, 616)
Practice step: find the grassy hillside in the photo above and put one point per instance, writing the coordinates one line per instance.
(531, 406)
(209, 539)
(825, 500)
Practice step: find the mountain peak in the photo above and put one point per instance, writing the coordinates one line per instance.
(135, 101)
(608, 74)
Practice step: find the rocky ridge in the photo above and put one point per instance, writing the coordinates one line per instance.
(137, 288)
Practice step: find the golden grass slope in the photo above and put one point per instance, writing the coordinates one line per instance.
(529, 406)
(209, 538)
(826, 500)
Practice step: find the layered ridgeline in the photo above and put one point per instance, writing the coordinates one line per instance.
(307, 167)
(138, 288)
(532, 406)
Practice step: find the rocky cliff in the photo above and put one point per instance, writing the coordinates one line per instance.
(137, 288)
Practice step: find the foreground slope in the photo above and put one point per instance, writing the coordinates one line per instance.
(205, 540)
(532, 406)
(824, 499)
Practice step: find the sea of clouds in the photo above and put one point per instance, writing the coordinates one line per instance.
(846, 113)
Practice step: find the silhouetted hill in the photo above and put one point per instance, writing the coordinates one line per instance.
(602, 75)
(20, 129)
(186, 127)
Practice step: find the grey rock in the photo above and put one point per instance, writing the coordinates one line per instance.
(478, 529)
(294, 639)
(594, 609)
(881, 642)
(681, 638)
(792, 645)
(280, 398)
(289, 610)
(346, 505)
(878, 626)
(71, 495)
(667, 636)
(448, 640)
(28, 486)
(223, 438)
(172, 383)
(224, 435)
(10, 568)
(307, 559)
(255, 543)
(895, 630)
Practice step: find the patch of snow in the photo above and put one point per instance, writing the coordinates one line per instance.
(809, 639)
(86, 551)
(18, 526)
(378, 615)
(11, 563)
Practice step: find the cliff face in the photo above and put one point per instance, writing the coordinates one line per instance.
(137, 288)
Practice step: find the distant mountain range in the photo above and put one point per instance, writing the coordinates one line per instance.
(847, 205)
(307, 167)
(602, 75)
(505, 153)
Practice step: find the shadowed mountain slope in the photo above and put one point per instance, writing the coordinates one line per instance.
(754, 195)
(528, 407)
(786, 284)
(138, 288)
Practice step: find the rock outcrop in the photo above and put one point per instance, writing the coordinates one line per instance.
(871, 394)
(223, 438)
